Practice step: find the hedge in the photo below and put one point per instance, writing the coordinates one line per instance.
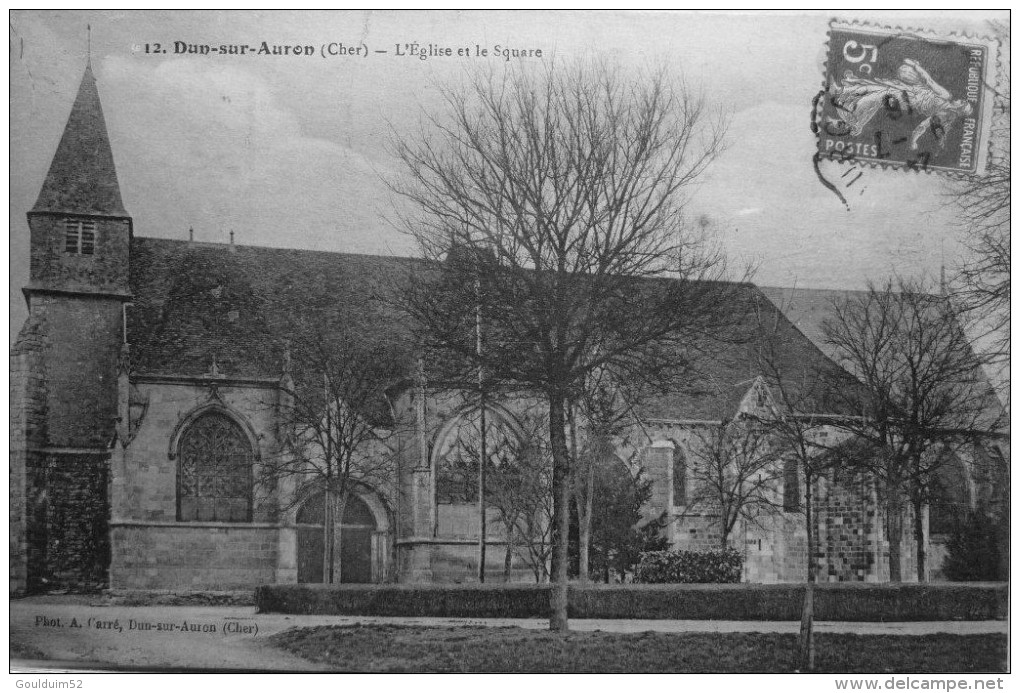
(479, 601)
(742, 602)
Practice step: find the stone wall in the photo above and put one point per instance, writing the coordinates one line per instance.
(698, 532)
(776, 552)
(67, 511)
(17, 520)
(848, 532)
(848, 523)
(456, 561)
(454, 552)
(105, 270)
(145, 488)
(656, 466)
(192, 556)
(150, 548)
(908, 548)
(36, 535)
(26, 416)
(82, 347)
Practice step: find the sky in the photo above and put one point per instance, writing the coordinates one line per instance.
(294, 151)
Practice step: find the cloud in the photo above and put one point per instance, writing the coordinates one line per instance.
(211, 146)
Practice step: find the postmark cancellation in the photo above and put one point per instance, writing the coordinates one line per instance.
(909, 99)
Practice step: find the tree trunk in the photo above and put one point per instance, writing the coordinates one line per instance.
(583, 536)
(589, 500)
(328, 531)
(338, 536)
(919, 538)
(508, 557)
(508, 561)
(894, 534)
(481, 492)
(807, 629)
(561, 513)
(807, 615)
(583, 501)
(483, 453)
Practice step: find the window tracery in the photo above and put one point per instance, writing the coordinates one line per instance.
(214, 471)
(459, 451)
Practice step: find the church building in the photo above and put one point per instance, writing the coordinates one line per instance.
(150, 387)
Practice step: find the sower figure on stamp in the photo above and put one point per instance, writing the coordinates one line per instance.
(858, 99)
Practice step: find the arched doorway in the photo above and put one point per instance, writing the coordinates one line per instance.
(354, 534)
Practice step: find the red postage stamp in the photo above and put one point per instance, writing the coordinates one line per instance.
(906, 99)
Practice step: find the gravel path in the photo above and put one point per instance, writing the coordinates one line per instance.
(97, 641)
(235, 637)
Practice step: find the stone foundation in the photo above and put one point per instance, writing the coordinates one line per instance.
(184, 556)
(456, 561)
(67, 512)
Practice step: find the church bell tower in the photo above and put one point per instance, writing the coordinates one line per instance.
(65, 363)
(79, 276)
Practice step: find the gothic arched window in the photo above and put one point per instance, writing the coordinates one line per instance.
(214, 471)
(458, 452)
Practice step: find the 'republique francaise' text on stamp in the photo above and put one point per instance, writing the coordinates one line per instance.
(906, 99)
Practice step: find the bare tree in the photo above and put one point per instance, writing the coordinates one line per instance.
(923, 390)
(569, 184)
(602, 411)
(336, 424)
(796, 420)
(520, 492)
(515, 478)
(732, 474)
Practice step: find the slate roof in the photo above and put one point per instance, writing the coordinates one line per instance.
(82, 178)
(808, 309)
(727, 367)
(194, 302)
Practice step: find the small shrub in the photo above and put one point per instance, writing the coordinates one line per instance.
(974, 550)
(717, 565)
(195, 598)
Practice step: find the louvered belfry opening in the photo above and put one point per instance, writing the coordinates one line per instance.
(79, 236)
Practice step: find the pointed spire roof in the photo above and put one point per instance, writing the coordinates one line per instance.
(82, 178)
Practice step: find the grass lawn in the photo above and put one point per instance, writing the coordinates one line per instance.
(480, 649)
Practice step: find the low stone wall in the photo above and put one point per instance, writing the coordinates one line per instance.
(186, 556)
(451, 561)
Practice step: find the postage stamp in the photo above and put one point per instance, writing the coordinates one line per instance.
(906, 99)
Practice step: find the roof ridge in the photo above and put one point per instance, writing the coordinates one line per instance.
(238, 246)
(214, 245)
(807, 288)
